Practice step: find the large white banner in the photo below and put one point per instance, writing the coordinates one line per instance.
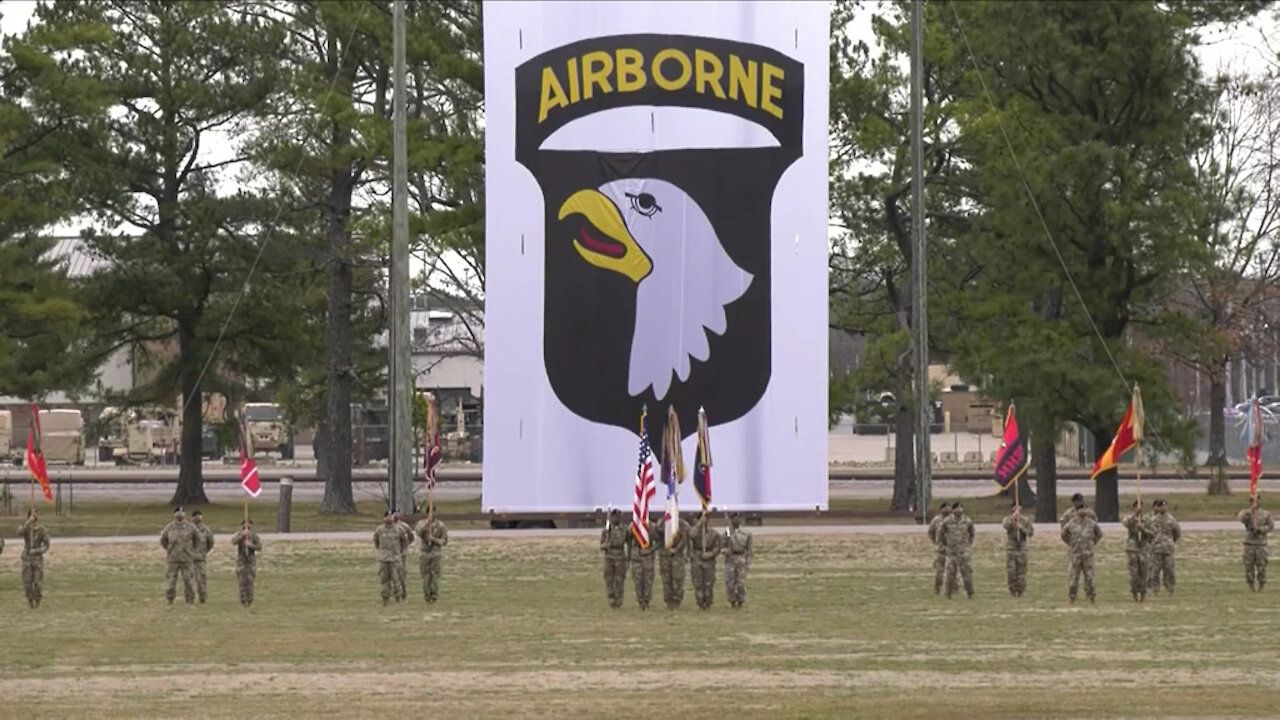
(656, 235)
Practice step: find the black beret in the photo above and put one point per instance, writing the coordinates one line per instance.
(1077, 498)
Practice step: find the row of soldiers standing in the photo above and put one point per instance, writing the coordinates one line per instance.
(1151, 548)
(392, 540)
(187, 546)
(698, 545)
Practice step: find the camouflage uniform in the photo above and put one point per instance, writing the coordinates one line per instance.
(1138, 547)
(35, 543)
(179, 539)
(1081, 535)
(1168, 533)
(704, 546)
(247, 545)
(1070, 515)
(432, 537)
(613, 543)
(1255, 546)
(1017, 531)
(402, 592)
(737, 560)
(957, 535)
(389, 540)
(671, 565)
(642, 563)
(939, 550)
(204, 543)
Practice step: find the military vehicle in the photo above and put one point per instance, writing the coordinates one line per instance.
(62, 436)
(267, 430)
(143, 435)
(6, 435)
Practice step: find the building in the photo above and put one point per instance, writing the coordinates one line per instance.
(447, 357)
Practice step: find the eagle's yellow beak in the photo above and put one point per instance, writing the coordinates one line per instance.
(612, 247)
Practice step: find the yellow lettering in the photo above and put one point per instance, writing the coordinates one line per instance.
(709, 71)
(630, 65)
(552, 94)
(742, 80)
(686, 69)
(573, 81)
(596, 67)
(769, 91)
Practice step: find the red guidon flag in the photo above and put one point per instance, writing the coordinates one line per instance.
(1012, 459)
(35, 455)
(1128, 435)
(248, 468)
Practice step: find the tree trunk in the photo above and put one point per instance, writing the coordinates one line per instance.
(1217, 461)
(190, 490)
(1106, 489)
(1045, 458)
(338, 498)
(904, 459)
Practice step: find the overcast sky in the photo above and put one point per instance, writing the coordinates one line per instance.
(1249, 47)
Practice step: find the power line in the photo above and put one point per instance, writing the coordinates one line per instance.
(266, 239)
(1035, 206)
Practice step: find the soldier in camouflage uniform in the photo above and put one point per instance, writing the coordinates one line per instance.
(35, 543)
(704, 546)
(179, 540)
(390, 542)
(402, 592)
(671, 565)
(939, 550)
(613, 543)
(1081, 535)
(641, 560)
(737, 561)
(1138, 547)
(1257, 524)
(247, 545)
(432, 537)
(957, 535)
(1077, 502)
(204, 543)
(1017, 530)
(1168, 533)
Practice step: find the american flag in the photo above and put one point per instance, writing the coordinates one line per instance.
(644, 492)
(248, 468)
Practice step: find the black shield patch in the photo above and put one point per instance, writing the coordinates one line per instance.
(657, 264)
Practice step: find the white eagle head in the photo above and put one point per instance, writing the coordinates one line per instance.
(655, 234)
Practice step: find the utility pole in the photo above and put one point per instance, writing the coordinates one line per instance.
(919, 267)
(400, 393)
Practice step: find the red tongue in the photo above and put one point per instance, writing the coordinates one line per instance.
(603, 247)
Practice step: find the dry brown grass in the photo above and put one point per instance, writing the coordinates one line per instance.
(836, 627)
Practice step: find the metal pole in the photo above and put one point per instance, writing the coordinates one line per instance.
(401, 391)
(919, 266)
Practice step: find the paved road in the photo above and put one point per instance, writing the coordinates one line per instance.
(1112, 530)
(465, 489)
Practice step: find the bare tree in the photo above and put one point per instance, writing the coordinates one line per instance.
(1239, 227)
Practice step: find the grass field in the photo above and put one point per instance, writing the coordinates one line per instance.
(835, 627)
(121, 518)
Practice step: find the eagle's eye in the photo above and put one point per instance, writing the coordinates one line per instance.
(644, 204)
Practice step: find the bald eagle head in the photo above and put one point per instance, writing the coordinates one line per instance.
(654, 234)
